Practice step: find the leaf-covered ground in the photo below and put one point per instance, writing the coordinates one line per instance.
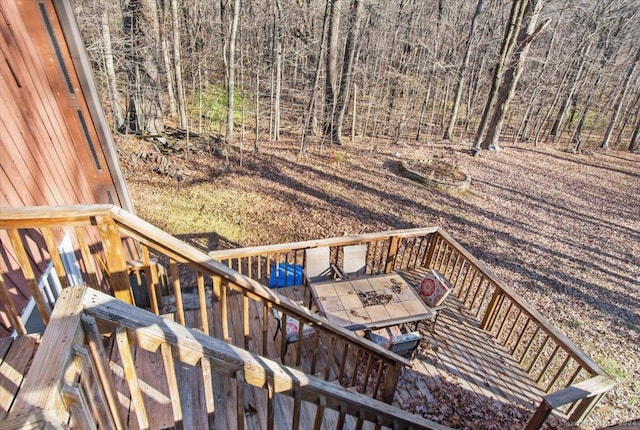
(563, 229)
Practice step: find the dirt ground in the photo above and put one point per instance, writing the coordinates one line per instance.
(562, 229)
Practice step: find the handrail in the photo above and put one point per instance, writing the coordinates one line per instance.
(69, 381)
(558, 336)
(112, 223)
(334, 241)
(150, 331)
(144, 231)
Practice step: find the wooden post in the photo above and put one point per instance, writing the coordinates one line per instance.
(428, 261)
(391, 256)
(489, 313)
(27, 270)
(584, 408)
(116, 262)
(539, 416)
(99, 357)
(12, 312)
(391, 382)
(240, 399)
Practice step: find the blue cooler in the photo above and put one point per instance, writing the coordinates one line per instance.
(285, 275)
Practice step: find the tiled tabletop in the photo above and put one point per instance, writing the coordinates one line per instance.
(369, 302)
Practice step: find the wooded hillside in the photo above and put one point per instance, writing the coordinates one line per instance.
(484, 71)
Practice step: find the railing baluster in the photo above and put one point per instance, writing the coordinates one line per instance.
(471, 286)
(50, 241)
(341, 417)
(202, 299)
(391, 255)
(329, 359)
(265, 328)
(485, 293)
(245, 320)
(128, 364)
(271, 416)
(91, 381)
(99, 357)
(356, 364)
(314, 355)
(343, 363)
(366, 374)
(172, 381)
(504, 320)
(77, 404)
(153, 285)
(513, 327)
(548, 363)
(28, 273)
(539, 353)
(299, 342)
(322, 403)
(10, 307)
(378, 381)
(529, 345)
(240, 399)
(224, 290)
(558, 373)
(297, 404)
(209, 393)
(520, 337)
(177, 290)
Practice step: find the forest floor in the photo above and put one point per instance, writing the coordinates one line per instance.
(562, 229)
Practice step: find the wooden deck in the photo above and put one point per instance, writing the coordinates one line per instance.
(467, 358)
(456, 360)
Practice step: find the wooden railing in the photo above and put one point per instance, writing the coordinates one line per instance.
(558, 366)
(71, 382)
(386, 252)
(551, 359)
(575, 383)
(106, 237)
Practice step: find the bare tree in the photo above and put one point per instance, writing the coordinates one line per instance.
(623, 93)
(114, 94)
(331, 81)
(462, 72)
(144, 111)
(231, 68)
(346, 78)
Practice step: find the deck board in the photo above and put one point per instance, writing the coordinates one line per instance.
(15, 359)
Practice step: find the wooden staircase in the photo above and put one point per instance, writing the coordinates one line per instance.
(104, 362)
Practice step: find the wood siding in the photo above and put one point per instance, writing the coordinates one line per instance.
(51, 152)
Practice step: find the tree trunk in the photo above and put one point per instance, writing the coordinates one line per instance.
(331, 88)
(144, 111)
(162, 23)
(277, 61)
(177, 63)
(577, 139)
(231, 67)
(512, 74)
(515, 19)
(461, 74)
(557, 124)
(347, 70)
(114, 94)
(623, 93)
(634, 142)
(316, 84)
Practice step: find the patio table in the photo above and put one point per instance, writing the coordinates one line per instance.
(369, 302)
